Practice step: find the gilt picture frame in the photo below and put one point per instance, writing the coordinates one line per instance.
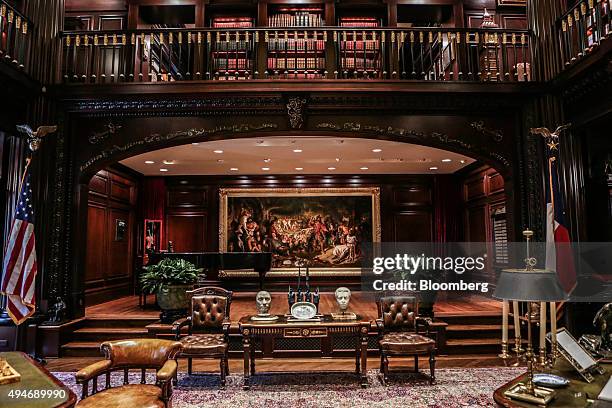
(323, 227)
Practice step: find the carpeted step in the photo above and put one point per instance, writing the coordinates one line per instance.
(81, 349)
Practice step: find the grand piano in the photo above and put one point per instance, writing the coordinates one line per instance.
(260, 262)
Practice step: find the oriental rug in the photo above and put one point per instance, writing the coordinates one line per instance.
(454, 388)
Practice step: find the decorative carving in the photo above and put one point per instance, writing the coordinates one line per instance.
(295, 110)
(35, 138)
(495, 134)
(111, 129)
(180, 135)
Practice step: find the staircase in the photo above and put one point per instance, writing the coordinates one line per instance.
(86, 337)
(474, 334)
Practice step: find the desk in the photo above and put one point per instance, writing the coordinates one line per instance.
(34, 377)
(326, 328)
(565, 396)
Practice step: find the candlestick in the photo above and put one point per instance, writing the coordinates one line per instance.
(553, 332)
(542, 333)
(517, 328)
(505, 306)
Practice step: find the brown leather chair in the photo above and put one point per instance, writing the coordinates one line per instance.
(398, 329)
(124, 355)
(208, 328)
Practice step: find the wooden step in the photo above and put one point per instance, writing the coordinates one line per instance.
(108, 333)
(119, 321)
(474, 345)
(81, 349)
(466, 331)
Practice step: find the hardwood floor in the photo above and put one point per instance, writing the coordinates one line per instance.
(243, 304)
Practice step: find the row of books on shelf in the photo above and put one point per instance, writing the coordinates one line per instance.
(359, 63)
(231, 63)
(304, 19)
(360, 45)
(280, 44)
(232, 46)
(369, 22)
(232, 22)
(296, 63)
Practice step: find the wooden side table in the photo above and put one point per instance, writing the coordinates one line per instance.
(326, 328)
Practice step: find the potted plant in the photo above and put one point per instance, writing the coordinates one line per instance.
(170, 280)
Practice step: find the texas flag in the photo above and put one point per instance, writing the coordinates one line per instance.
(559, 255)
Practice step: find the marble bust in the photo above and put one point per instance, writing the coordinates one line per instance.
(262, 302)
(343, 297)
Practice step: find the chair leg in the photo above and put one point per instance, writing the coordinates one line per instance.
(416, 363)
(386, 369)
(432, 367)
(222, 369)
(189, 365)
(227, 372)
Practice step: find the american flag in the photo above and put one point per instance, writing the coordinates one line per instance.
(19, 266)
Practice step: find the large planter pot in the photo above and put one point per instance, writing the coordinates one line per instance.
(174, 297)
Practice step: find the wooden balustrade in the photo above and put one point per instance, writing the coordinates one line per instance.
(428, 54)
(15, 35)
(583, 28)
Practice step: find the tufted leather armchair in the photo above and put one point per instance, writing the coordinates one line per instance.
(208, 328)
(124, 355)
(399, 325)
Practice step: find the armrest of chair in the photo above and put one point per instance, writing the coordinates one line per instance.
(423, 321)
(168, 371)
(93, 370)
(177, 325)
(226, 329)
(380, 326)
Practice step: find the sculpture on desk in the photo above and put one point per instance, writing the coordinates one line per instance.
(343, 297)
(263, 301)
(600, 346)
(305, 294)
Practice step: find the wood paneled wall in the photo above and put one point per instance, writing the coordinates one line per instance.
(110, 255)
(192, 206)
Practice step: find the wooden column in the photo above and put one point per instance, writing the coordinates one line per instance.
(542, 16)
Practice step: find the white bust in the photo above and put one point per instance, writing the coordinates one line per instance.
(262, 302)
(343, 297)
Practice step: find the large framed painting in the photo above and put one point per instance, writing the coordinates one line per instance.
(324, 227)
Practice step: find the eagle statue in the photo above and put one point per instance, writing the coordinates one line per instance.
(35, 138)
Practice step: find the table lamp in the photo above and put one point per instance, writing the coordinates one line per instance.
(529, 285)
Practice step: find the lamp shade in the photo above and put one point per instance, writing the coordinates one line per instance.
(538, 285)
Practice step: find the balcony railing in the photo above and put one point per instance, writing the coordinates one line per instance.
(492, 55)
(15, 36)
(582, 29)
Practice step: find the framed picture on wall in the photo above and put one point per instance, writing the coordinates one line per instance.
(324, 227)
(120, 229)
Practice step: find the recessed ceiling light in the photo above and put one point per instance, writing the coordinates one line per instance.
(218, 151)
(233, 168)
(266, 160)
(299, 168)
(433, 168)
(331, 168)
(297, 150)
(337, 159)
(265, 168)
(149, 162)
(195, 143)
(163, 169)
(377, 150)
(363, 168)
(446, 160)
(168, 161)
(220, 160)
(461, 161)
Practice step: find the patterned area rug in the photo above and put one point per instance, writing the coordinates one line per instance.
(454, 388)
